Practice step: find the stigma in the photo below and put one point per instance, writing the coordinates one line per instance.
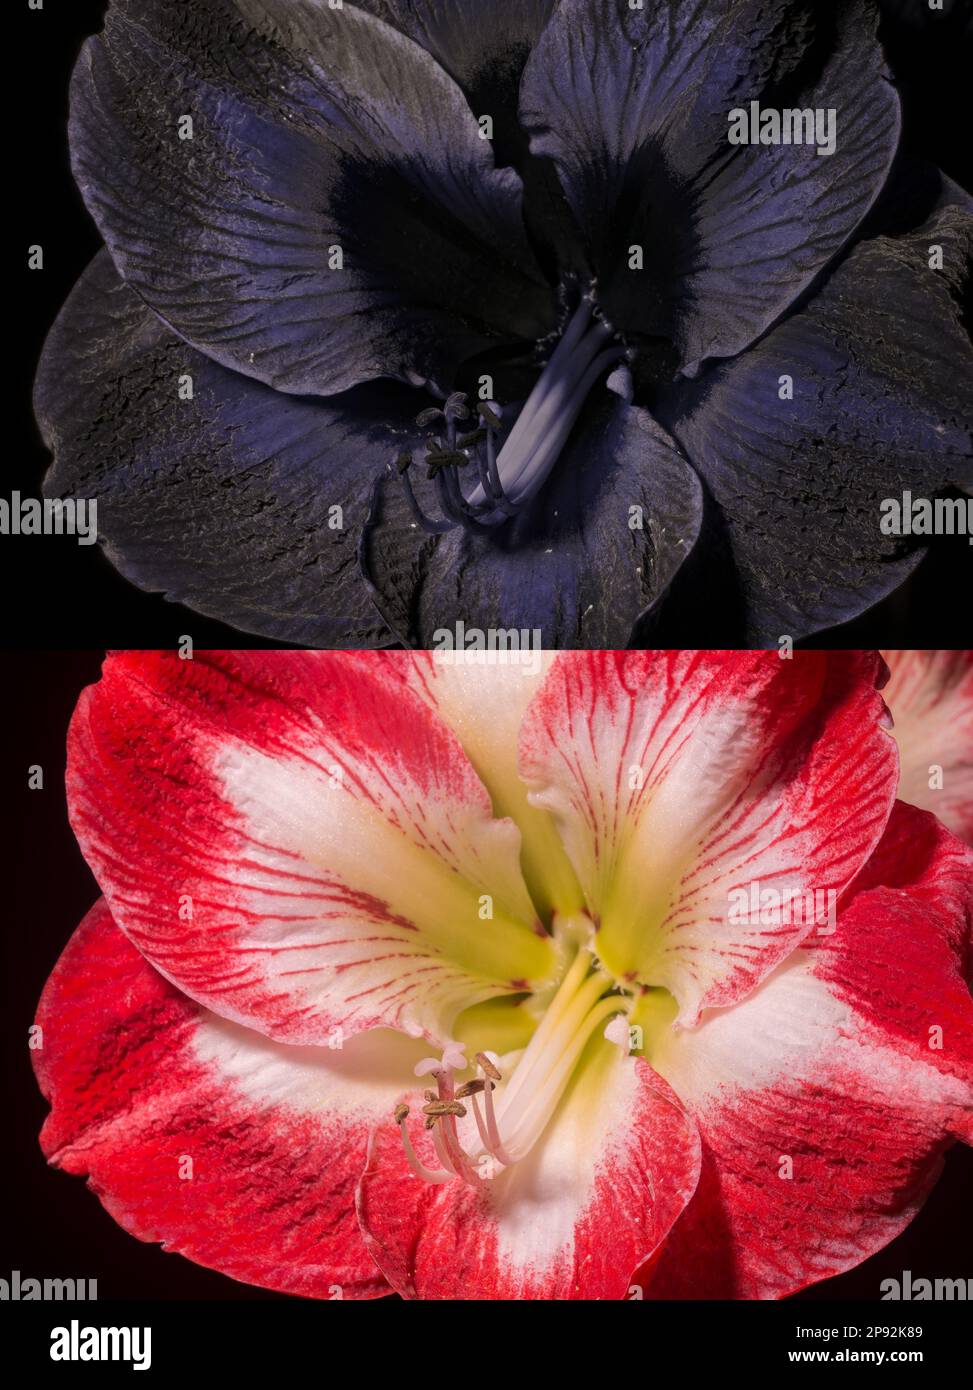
(509, 1116)
(482, 481)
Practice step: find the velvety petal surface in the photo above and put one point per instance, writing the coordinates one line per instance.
(239, 1153)
(880, 370)
(484, 48)
(930, 694)
(241, 502)
(594, 551)
(572, 1220)
(683, 780)
(298, 843)
(826, 1099)
(632, 104)
(319, 135)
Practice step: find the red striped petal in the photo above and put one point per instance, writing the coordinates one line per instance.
(825, 1099)
(685, 782)
(240, 1153)
(298, 842)
(573, 1220)
(930, 695)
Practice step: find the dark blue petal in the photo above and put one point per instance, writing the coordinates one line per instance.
(225, 502)
(633, 105)
(882, 373)
(483, 46)
(574, 568)
(314, 131)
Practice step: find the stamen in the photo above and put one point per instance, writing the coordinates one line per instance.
(415, 1162)
(583, 1003)
(506, 481)
(486, 1065)
(469, 1088)
(444, 1107)
(489, 1130)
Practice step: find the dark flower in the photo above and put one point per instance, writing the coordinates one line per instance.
(349, 372)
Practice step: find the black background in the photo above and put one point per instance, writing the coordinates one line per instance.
(69, 595)
(65, 595)
(57, 1227)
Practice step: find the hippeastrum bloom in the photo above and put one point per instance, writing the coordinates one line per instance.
(474, 982)
(348, 372)
(930, 695)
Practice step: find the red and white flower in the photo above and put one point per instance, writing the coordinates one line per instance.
(930, 694)
(425, 976)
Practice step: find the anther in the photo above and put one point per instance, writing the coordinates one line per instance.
(470, 1088)
(510, 472)
(455, 407)
(401, 1113)
(435, 1108)
(486, 1066)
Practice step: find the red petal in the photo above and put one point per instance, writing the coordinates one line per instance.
(681, 779)
(832, 1063)
(142, 1082)
(298, 842)
(572, 1220)
(930, 695)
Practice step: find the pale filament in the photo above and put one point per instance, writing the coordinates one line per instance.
(509, 1129)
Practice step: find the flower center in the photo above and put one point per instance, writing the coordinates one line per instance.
(506, 478)
(510, 1124)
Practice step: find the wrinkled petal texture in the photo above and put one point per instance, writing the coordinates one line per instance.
(239, 501)
(239, 1153)
(880, 370)
(571, 1221)
(825, 1099)
(681, 779)
(930, 695)
(298, 843)
(595, 551)
(633, 104)
(332, 217)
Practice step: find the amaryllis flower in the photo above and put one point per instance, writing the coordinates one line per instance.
(471, 982)
(425, 311)
(930, 695)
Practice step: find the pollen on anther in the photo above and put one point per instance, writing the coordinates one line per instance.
(488, 1067)
(436, 1108)
(401, 1113)
(468, 1088)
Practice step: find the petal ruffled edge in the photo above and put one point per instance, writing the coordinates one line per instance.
(239, 1153)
